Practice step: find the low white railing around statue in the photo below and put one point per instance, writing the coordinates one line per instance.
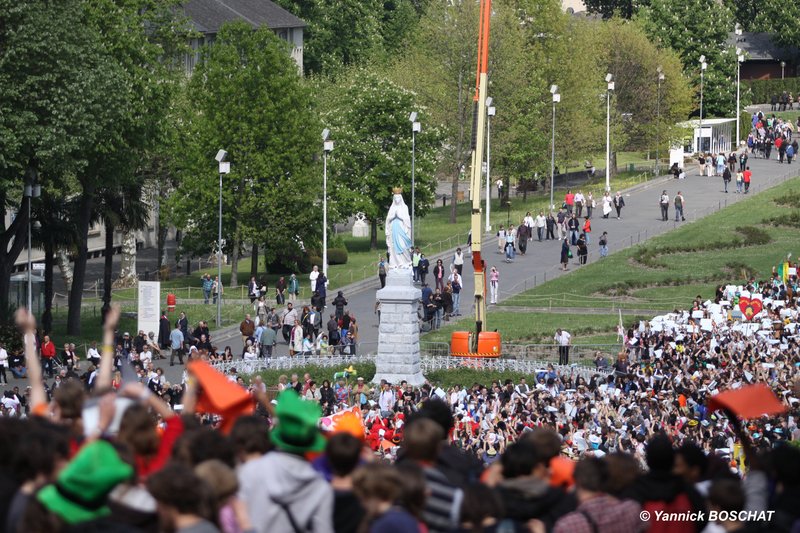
(427, 364)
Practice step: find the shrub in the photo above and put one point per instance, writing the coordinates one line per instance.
(337, 256)
(11, 339)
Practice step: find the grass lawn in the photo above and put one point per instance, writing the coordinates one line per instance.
(670, 270)
(539, 328)
(92, 330)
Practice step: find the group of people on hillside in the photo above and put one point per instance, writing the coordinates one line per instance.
(608, 452)
(768, 133)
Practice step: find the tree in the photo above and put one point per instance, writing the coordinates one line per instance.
(58, 86)
(248, 98)
(633, 59)
(439, 66)
(135, 83)
(373, 153)
(614, 8)
(678, 26)
(338, 33)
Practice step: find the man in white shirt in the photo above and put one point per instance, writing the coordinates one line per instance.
(458, 260)
(92, 355)
(563, 339)
(386, 400)
(541, 222)
(580, 200)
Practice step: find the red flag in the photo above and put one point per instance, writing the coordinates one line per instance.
(219, 395)
(751, 401)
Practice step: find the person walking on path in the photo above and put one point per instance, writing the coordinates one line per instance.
(740, 181)
(746, 176)
(664, 204)
(561, 221)
(579, 202)
(679, 205)
(294, 286)
(587, 228)
(312, 278)
(438, 275)
(247, 328)
(458, 261)
(565, 253)
(607, 201)
(424, 265)
(494, 284)
(207, 284)
(382, 271)
(551, 226)
(501, 239)
(569, 201)
(726, 178)
(541, 223)
(456, 283)
(176, 344)
(604, 244)
(216, 289)
(583, 250)
(590, 204)
(619, 203)
(574, 226)
(563, 340)
(339, 302)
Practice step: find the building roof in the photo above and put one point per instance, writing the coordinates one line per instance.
(209, 15)
(760, 47)
(695, 123)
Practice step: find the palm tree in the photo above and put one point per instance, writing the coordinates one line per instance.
(122, 208)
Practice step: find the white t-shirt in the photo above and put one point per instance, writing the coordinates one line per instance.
(563, 339)
(458, 259)
(3, 358)
(92, 353)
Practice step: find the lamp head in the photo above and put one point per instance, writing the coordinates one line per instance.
(783, 64)
(412, 117)
(221, 155)
(491, 111)
(702, 59)
(553, 89)
(325, 134)
(556, 98)
(489, 101)
(609, 77)
(737, 29)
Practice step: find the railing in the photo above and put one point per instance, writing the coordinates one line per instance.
(427, 364)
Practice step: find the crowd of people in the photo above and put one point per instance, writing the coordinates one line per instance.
(635, 449)
(772, 132)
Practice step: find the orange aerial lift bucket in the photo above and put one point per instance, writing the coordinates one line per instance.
(488, 344)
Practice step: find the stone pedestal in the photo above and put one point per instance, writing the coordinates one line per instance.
(398, 335)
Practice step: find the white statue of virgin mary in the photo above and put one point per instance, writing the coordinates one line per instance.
(398, 232)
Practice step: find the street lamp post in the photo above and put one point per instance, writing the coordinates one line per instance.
(556, 99)
(609, 79)
(32, 190)
(703, 66)
(416, 127)
(739, 60)
(490, 112)
(783, 68)
(658, 118)
(327, 148)
(224, 168)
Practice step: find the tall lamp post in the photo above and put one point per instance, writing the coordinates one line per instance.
(609, 79)
(224, 168)
(703, 66)
(416, 127)
(32, 190)
(739, 60)
(556, 99)
(327, 148)
(783, 68)
(490, 112)
(658, 118)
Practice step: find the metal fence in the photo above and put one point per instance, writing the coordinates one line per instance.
(427, 364)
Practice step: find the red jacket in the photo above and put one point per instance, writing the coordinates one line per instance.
(49, 350)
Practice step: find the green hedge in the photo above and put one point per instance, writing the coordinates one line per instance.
(337, 256)
(762, 91)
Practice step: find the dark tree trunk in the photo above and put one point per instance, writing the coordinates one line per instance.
(254, 261)
(108, 267)
(12, 241)
(373, 234)
(79, 276)
(49, 263)
(237, 243)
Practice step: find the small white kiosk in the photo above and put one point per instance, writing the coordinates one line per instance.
(716, 135)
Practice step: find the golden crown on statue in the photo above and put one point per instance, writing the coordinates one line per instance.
(397, 190)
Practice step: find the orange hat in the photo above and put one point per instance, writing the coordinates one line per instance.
(561, 472)
(350, 423)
